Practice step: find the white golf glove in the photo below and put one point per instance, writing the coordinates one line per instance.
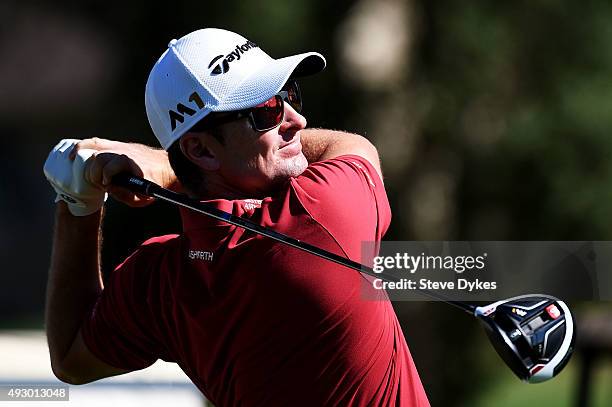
(67, 178)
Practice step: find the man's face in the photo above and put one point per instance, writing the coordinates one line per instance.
(257, 163)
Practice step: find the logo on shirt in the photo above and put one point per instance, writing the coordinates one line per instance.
(200, 255)
(250, 204)
(365, 173)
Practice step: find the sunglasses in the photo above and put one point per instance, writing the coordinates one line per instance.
(263, 117)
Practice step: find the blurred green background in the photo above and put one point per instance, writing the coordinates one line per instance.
(492, 119)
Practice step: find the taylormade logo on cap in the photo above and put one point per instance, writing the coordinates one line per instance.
(223, 66)
(214, 70)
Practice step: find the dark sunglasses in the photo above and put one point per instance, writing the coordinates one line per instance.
(265, 116)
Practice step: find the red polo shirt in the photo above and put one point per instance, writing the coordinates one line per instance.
(253, 322)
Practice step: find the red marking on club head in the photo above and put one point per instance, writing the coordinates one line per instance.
(553, 311)
(536, 369)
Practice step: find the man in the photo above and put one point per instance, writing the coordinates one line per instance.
(250, 321)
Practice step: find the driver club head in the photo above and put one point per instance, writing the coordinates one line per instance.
(533, 334)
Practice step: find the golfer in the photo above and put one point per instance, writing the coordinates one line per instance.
(251, 321)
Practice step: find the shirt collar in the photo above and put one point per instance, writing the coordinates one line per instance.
(193, 220)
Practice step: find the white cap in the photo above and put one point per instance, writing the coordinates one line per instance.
(213, 70)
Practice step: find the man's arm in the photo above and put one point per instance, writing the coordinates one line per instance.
(321, 144)
(74, 284)
(153, 164)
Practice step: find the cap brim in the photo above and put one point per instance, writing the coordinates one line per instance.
(268, 80)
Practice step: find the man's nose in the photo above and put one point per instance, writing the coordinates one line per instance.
(293, 120)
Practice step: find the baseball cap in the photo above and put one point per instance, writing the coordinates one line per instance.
(215, 70)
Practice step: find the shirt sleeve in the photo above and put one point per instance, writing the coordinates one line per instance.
(118, 330)
(347, 197)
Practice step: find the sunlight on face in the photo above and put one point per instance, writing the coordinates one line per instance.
(258, 163)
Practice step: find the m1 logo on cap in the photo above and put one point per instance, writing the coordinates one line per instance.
(224, 65)
(182, 110)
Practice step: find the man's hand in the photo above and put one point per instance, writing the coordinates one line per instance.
(64, 171)
(113, 157)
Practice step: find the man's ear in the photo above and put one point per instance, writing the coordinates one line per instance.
(201, 149)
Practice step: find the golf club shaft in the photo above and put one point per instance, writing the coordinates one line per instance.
(148, 188)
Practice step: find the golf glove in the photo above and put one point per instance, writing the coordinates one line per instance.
(67, 178)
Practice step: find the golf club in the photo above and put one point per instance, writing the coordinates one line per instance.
(533, 334)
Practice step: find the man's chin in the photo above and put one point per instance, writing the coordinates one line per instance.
(296, 166)
(291, 168)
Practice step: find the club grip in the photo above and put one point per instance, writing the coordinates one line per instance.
(133, 183)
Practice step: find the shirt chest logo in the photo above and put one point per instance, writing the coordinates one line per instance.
(250, 204)
(201, 255)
